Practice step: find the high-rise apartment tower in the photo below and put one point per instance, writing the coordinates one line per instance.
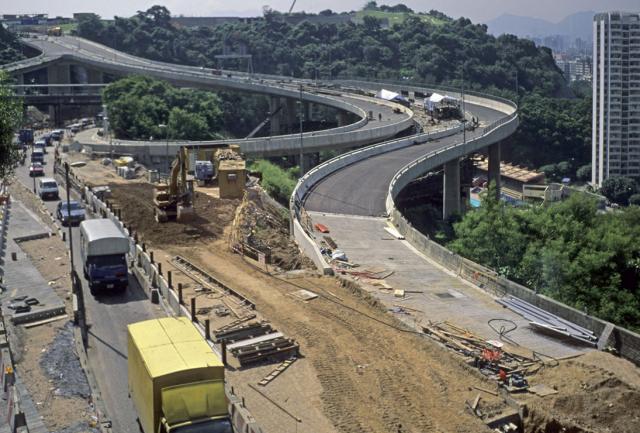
(616, 96)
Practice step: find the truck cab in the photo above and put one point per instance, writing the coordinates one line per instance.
(104, 250)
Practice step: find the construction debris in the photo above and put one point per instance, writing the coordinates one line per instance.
(263, 347)
(492, 358)
(546, 322)
(305, 295)
(278, 371)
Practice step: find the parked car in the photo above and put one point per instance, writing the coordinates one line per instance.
(75, 216)
(36, 169)
(47, 188)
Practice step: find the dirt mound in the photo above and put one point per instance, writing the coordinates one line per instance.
(264, 225)
(594, 394)
(136, 202)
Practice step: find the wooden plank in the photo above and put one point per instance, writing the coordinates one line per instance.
(253, 341)
(45, 321)
(486, 390)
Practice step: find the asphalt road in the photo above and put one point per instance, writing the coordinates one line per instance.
(107, 317)
(361, 188)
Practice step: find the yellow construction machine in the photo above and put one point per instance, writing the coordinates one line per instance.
(174, 200)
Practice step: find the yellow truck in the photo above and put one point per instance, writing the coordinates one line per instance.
(176, 381)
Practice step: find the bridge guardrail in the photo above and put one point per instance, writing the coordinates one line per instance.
(310, 179)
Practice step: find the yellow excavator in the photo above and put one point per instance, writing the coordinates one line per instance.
(174, 200)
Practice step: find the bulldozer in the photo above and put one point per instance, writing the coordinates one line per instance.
(173, 200)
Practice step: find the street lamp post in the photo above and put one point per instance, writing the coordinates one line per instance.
(166, 127)
(301, 137)
(68, 187)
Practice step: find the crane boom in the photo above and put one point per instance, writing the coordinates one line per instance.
(292, 5)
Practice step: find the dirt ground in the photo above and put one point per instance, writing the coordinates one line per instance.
(597, 392)
(58, 408)
(361, 370)
(136, 202)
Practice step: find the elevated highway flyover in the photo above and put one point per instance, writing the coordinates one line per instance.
(376, 120)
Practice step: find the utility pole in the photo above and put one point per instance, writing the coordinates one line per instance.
(464, 111)
(301, 137)
(68, 187)
(166, 127)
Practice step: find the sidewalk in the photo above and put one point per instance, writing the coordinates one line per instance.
(20, 276)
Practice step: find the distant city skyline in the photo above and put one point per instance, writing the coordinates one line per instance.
(477, 11)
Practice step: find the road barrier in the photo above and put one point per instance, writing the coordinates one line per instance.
(490, 134)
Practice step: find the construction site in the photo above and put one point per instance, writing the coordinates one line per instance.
(314, 353)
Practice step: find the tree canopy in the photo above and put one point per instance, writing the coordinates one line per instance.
(415, 48)
(137, 106)
(10, 48)
(10, 118)
(569, 251)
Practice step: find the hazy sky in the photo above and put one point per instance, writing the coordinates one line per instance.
(477, 10)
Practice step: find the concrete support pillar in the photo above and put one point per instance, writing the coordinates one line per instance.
(494, 166)
(342, 118)
(292, 116)
(274, 104)
(308, 111)
(58, 74)
(310, 160)
(451, 189)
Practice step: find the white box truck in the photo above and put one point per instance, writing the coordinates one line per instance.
(104, 249)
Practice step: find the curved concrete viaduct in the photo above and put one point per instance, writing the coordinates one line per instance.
(59, 52)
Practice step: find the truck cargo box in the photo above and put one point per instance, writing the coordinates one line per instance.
(173, 373)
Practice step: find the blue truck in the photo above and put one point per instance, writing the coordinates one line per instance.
(104, 248)
(25, 136)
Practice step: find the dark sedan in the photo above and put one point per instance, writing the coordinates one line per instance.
(75, 216)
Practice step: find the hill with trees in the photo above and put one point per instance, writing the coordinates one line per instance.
(10, 47)
(428, 48)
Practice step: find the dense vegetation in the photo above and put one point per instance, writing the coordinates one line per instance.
(276, 181)
(415, 48)
(422, 47)
(10, 118)
(137, 107)
(569, 251)
(10, 49)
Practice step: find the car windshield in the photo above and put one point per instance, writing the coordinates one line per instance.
(74, 205)
(36, 165)
(218, 426)
(49, 185)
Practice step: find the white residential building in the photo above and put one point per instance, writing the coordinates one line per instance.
(616, 96)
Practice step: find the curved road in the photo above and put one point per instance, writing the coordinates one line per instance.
(385, 123)
(361, 188)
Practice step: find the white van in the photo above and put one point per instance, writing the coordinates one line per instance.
(47, 188)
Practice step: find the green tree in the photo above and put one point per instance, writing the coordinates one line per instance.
(619, 189)
(634, 200)
(10, 48)
(584, 173)
(138, 105)
(278, 182)
(10, 119)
